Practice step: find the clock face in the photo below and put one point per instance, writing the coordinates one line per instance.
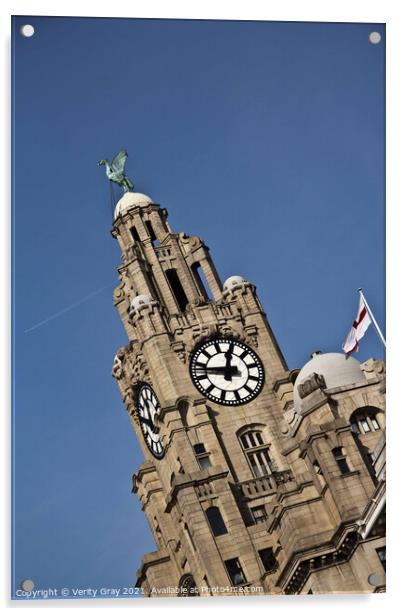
(148, 407)
(226, 371)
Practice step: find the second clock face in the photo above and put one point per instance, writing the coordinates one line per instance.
(148, 407)
(226, 371)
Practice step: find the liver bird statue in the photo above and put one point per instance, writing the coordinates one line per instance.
(115, 171)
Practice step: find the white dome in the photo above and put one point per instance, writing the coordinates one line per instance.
(139, 301)
(232, 282)
(130, 200)
(336, 368)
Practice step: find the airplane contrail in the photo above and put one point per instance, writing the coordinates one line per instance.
(68, 308)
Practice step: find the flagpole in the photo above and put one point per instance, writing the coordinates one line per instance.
(377, 328)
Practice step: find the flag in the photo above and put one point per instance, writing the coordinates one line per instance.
(359, 328)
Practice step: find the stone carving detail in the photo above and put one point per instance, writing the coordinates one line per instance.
(118, 369)
(180, 349)
(373, 368)
(203, 331)
(340, 555)
(190, 243)
(312, 383)
(252, 335)
(128, 399)
(139, 369)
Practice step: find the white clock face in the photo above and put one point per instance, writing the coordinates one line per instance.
(148, 407)
(226, 371)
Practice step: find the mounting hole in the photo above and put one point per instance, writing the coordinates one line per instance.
(27, 585)
(375, 38)
(27, 30)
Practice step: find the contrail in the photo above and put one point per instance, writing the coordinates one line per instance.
(64, 310)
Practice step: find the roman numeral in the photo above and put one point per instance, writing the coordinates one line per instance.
(217, 347)
(223, 394)
(243, 355)
(253, 378)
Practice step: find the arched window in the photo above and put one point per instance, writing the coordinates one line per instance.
(365, 420)
(257, 453)
(216, 521)
(187, 587)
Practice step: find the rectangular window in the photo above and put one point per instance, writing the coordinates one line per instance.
(202, 455)
(151, 232)
(259, 514)
(340, 458)
(204, 461)
(235, 571)
(268, 559)
(355, 427)
(365, 426)
(375, 423)
(134, 234)
(261, 463)
(382, 556)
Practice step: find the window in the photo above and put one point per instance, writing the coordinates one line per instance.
(381, 552)
(187, 587)
(259, 514)
(202, 455)
(235, 571)
(340, 458)
(268, 559)
(216, 521)
(375, 423)
(365, 420)
(134, 234)
(201, 281)
(151, 232)
(177, 288)
(257, 453)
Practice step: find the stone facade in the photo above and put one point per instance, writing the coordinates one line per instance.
(282, 495)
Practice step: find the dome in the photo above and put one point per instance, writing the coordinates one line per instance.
(130, 200)
(232, 282)
(336, 368)
(139, 301)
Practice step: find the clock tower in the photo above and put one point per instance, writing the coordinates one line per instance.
(256, 479)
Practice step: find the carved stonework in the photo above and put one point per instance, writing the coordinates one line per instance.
(128, 399)
(252, 335)
(180, 349)
(203, 331)
(373, 368)
(190, 243)
(140, 370)
(118, 369)
(312, 383)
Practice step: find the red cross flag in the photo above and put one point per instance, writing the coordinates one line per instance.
(359, 328)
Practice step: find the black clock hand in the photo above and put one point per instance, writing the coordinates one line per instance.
(233, 370)
(229, 354)
(148, 421)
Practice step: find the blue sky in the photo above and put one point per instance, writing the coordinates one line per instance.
(267, 140)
